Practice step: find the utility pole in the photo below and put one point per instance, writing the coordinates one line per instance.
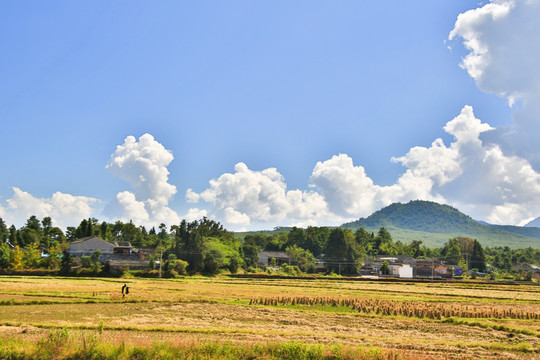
(160, 261)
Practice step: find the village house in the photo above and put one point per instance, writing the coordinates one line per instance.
(400, 266)
(425, 268)
(441, 271)
(88, 245)
(118, 255)
(266, 256)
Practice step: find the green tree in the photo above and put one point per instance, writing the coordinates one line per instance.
(169, 263)
(385, 268)
(340, 252)
(251, 255)
(54, 259)
(4, 232)
(16, 261)
(297, 237)
(30, 257)
(83, 230)
(5, 255)
(316, 238)
(193, 251)
(415, 249)
(453, 255)
(33, 223)
(364, 239)
(383, 243)
(478, 259)
(131, 233)
(105, 231)
(13, 238)
(302, 258)
(86, 261)
(96, 256)
(181, 235)
(276, 242)
(234, 264)
(465, 247)
(66, 263)
(213, 261)
(179, 266)
(46, 222)
(259, 240)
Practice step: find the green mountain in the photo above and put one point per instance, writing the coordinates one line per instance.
(435, 223)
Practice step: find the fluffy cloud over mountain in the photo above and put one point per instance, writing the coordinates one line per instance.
(478, 178)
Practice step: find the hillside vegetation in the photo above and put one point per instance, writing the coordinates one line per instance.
(434, 224)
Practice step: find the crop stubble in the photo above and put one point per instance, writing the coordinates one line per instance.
(218, 309)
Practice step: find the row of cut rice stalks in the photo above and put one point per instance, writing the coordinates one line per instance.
(419, 309)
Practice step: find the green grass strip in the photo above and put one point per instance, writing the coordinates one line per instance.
(486, 325)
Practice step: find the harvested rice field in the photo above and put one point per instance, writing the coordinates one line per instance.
(235, 318)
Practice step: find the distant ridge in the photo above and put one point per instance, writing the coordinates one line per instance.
(435, 223)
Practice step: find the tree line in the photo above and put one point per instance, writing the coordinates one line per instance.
(204, 246)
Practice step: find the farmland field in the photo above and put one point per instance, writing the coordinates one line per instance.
(224, 317)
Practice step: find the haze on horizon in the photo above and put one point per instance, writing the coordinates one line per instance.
(268, 114)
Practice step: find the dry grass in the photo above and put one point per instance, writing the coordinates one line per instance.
(218, 310)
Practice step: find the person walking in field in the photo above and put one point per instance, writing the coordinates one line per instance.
(124, 290)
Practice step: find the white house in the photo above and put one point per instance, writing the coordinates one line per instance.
(405, 271)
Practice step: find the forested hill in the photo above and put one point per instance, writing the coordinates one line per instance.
(434, 224)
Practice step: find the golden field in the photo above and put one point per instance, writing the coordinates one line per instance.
(334, 318)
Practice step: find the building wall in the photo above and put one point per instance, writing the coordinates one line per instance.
(281, 257)
(87, 247)
(406, 271)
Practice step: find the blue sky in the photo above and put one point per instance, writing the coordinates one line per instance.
(277, 85)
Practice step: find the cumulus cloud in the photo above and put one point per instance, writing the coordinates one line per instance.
(144, 165)
(195, 214)
(64, 209)
(490, 173)
(246, 197)
(504, 51)
(476, 177)
(351, 193)
(484, 181)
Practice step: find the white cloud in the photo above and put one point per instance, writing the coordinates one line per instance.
(476, 177)
(144, 165)
(192, 196)
(247, 197)
(235, 217)
(131, 209)
(64, 209)
(195, 214)
(481, 180)
(477, 62)
(491, 174)
(504, 51)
